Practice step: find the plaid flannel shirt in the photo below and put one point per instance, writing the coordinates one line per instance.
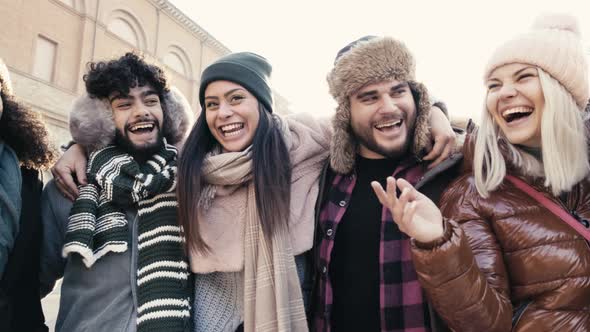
(402, 303)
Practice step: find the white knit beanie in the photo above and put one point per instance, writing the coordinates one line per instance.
(553, 44)
(5, 78)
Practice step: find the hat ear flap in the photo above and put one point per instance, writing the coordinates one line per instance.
(343, 145)
(422, 137)
(178, 116)
(91, 123)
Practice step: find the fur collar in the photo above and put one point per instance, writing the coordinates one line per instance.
(92, 126)
(5, 79)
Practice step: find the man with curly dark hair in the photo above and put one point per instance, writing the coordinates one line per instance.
(24, 150)
(104, 81)
(124, 268)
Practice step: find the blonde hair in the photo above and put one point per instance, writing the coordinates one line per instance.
(563, 144)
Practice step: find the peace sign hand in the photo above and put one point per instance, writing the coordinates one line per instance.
(415, 214)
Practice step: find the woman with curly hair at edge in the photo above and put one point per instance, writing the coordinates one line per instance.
(24, 150)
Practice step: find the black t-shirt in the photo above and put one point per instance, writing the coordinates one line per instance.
(354, 267)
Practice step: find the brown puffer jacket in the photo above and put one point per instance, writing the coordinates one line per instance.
(511, 257)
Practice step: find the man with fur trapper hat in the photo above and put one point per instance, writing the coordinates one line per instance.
(118, 247)
(24, 150)
(365, 279)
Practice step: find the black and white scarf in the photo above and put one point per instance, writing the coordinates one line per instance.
(97, 226)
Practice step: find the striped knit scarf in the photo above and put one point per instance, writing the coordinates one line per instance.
(97, 226)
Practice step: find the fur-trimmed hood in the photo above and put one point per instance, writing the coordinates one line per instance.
(92, 125)
(5, 79)
(368, 61)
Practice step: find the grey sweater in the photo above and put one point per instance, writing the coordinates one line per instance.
(102, 298)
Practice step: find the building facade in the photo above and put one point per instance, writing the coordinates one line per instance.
(47, 44)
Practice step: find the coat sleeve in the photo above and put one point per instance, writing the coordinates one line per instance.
(463, 273)
(318, 128)
(55, 210)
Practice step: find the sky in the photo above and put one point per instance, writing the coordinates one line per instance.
(451, 39)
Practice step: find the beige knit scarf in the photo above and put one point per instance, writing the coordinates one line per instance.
(272, 293)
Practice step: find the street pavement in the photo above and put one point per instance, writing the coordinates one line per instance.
(51, 305)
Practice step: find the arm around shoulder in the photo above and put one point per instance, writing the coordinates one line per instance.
(318, 127)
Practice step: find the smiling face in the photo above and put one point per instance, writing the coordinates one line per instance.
(232, 114)
(382, 119)
(515, 101)
(138, 118)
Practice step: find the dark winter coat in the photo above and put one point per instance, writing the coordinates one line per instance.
(20, 300)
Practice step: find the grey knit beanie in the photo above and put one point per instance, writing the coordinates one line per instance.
(247, 69)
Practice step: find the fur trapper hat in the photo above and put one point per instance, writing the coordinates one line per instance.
(371, 60)
(92, 125)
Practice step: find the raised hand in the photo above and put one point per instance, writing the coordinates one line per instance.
(415, 214)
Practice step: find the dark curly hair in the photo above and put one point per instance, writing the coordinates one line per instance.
(24, 131)
(121, 75)
(127, 72)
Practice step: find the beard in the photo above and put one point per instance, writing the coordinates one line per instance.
(365, 137)
(139, 152)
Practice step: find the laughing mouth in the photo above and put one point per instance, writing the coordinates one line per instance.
(142, 127)
(231, 129)
(389, 124)
(517, 113)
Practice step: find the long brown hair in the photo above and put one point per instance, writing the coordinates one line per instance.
(271, 175)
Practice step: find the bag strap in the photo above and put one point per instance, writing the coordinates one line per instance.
(550, 205)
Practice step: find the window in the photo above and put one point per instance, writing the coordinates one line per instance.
(173, 61)
(124, 30)
(45, 55)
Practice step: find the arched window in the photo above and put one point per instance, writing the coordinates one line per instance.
(123, 29)
(174, 61)
(177, 59)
